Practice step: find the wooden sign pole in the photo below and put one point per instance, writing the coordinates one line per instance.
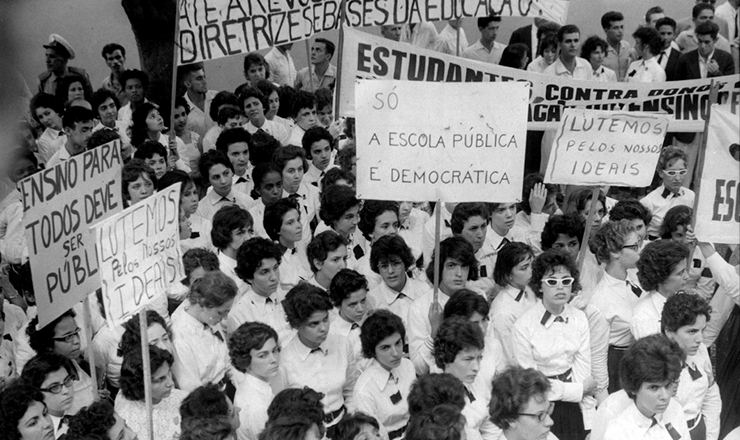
(147, 372)
(587, 230)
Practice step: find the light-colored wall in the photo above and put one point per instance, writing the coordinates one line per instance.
(89, 24)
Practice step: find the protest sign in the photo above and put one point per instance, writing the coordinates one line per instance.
(718, 207)
(59, 204)
(606, 148)
(685, 102)
(212, 29)
(139, 253)
(418, 141)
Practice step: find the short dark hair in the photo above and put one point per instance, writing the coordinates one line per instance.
(609, 17)
(206, 401)
(102, 137)
(530, 180)
(199, 257)
(232, 136)
(379, 325)
(577, 200)
(267, 88)
(255, 58)
(131, 172)
(464, 303)
(344, 283)
(227, 112)
(386, 247)
(132, 370)
(249, 336)
(549, 40)
(131, 338)
(100, 96)
(210, 159)
(511, 390)
(609, 239)
(567, 29)
(206, 428)
(443, 422)
(435, 389)
(335, 201)
(352, 424)
(289, 427)
(283, 155)
(302, 301)
(455, 248)
(172, 177)
(287, 95)
(138, 123)
(301, 100)
(148, 149)
(652, 359)
(324, 97)
(334, 175)
(253, 92)
(313, 135)
(707, 28)
(546, 263)
(567, 224)
(95, 419)
(272, 220)
(650, 38)
(134, 74)
(681, 310)
(513, 55)
(214, 289)
(463, 212)
(76, 114)
(180, 101)
(508, 258)
(42, 340)
(455, 335)
(186, 69)
(263, 169)
(222, 98)
(485, 21)
(40, 366)
(630, 209)
(666, 21)
(330, 47)
(48, 101)
(591, 44)
(345, 156)
(225, 220)
(112, 47)
(699, 7)
(652, 11)
(15, 399)
(371, 210)
(297, 401)
(669, 154)
(263, 148)
(62, 91)
(657, 261)
(250, 255)
(321, 245)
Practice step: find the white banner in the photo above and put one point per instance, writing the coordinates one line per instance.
(594, 147)
(718, 207)
(424, 141)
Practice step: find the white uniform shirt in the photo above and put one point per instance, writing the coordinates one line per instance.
(200, 234)
(582, 70)
(258, 216)
(282, 67)
(660, 200)
(314, 175)
(377, 389)
(700, 395)
(605, 74)
(274, 129)
(199, 120)
(478, 52)
(506, 308)
(253, 396)
(646, 315)
(210, 137)
(616, 302)
(645, 71)
(411, 231)
(632, 424)
(212, 202)
(308, 199)
(351, 331)
(447, 42)
(528, 229)
(227, 265)
(49, 143)
(252, 307)
(294, 267)
(400, 303)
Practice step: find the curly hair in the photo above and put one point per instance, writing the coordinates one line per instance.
(630, 209)
(546, 263)
(199, 257)
(249, 336)
(335, 201)
(302, 99)
(464, 303)
(652, 359)
(15, 399)
(45, 100)
(292, 427)
(211, 158)
(313, 135)
(675, 217)
(371, 210)
(345, 283)
(668, 155)
(42, 340)
(443, 422)
(463, 212)
(576, 201)
(649, 37)
(283, 155)
(131, 172)
(62, 91)
(321, 245)
(454, 248)
(291, 401)
(568, 224)
(95, 419)
(346, 155)
(252, 92)
(379, 325)
(455, 335)
(351, 425)
(657, 261)
(206, 428)
(227, 219)
(138, 123)
(132, 370)
(213, 290)
(302, 301)
(434, 389)
(387, 247)
(40, 366)
(681, 310)
(591, 44)
(131, 338)
(232, 136)
(334, 175)
(250, 255)
(263, 149)
(207, 401)
(510, 392)
(508, 258)
(273, 217)
(221, 99)
(609, 239)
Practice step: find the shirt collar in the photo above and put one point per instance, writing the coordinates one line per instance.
(304, 352)
(390, 295)
(343, 327)
(547, 318)
(259, 299)
(258, 385)
(213, 198)
(380, 375)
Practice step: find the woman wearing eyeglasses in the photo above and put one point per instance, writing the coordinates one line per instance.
(53, 375)
(616, 245)
(553, 337)
(62, 337)
(672, 171)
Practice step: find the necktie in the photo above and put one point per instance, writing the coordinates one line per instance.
(503, 243)
(269, 300)
(447, 224)
(693, 372)
(672, 431)
(401, 296)
(667, 194)
(8, 338)
(636, 290)
(296, 196)
(560, 319)
(63, 421)
(226, 199)
(655, 421)
(660, 58)
(216, 333)
(357, 250)
(241, 180)
(355, 326)
(316, 350)
(520, 296)
(470, 395)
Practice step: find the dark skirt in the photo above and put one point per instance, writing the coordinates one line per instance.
(568, 421)
(614, 356)
(728, 372)
(699, 431)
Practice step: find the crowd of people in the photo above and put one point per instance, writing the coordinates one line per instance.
(308, 313)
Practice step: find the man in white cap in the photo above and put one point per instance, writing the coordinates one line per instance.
(58, 53)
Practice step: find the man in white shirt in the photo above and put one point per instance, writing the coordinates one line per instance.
(282, 67)
(569, 64)
(486, 49)
(198, 97)
(321, 73)
(422, 35)
(669, 54)
(448, 41)
(78, 125)
(727, 11)
(688, 41)
(115, 57)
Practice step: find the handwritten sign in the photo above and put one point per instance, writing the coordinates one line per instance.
(59, 204)
(606, 148)
(372, 57)
(414, 139)
(718, 208)
(139, 253)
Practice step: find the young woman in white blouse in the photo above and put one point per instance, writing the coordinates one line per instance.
(255, 351)
(282, 223)
(383, 388)
(683, 320)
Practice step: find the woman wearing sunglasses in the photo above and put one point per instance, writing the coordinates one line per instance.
(53, 375)
(616, 245)
(553, 337)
